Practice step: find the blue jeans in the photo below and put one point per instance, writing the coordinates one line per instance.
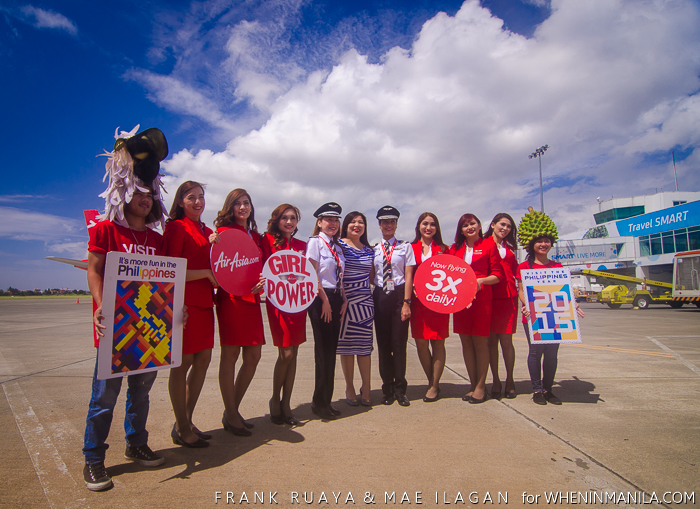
(539, 367)
(102, 403)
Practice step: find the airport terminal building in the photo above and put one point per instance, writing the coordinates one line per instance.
(635, 236)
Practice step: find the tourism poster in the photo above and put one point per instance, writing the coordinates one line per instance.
(142, 301)
(549, 295)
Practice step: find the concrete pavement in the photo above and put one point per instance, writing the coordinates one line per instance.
(629, 424)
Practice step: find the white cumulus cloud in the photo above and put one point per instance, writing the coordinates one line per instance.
(446, 125)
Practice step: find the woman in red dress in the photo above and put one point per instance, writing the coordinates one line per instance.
(288, 329)
(473, 324)
(187, 237)
(428, 328)
(240, 319)
(504, 317)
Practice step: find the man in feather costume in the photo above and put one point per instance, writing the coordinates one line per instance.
(133, 207)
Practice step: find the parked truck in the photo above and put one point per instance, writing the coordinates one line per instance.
(623, 290)
(686, 278)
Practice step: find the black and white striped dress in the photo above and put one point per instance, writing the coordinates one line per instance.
(356, 329)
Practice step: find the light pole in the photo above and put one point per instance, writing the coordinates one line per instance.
(538, 153)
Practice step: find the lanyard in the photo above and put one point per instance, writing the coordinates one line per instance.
(335, 255)
(390, 254)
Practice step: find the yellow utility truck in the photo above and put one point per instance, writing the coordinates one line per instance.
(623, 290)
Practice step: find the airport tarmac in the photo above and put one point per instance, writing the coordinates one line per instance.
(629, 425)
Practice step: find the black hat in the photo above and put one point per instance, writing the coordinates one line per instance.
(147, 148)
(330, 209)
(388, 212)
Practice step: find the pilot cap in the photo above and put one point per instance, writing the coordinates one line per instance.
(388, 212)
(330, 209)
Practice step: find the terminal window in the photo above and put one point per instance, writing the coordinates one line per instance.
(618, 213)
(683, 239)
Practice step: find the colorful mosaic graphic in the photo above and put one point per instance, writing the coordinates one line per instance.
(143, 322)
(552, 313)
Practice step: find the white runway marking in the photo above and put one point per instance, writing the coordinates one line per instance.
(59, 486)
(678, 356)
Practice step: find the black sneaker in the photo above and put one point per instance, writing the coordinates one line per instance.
(551, 398)
(96, 477)
(143, 455)
(539, 398)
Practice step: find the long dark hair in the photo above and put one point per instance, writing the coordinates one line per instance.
(176, 210)
(346, 223)
(437, 238)
(510, 238)
(226, 217)
(460, 239)
(273, 224)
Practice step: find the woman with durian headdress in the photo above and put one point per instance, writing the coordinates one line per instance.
(537, 233)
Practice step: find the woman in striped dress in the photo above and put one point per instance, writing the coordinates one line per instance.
(356, 329)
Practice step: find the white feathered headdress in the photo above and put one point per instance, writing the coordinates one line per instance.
(134, 163)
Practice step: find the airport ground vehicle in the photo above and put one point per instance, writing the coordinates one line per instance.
(623, 290)
(583, 295)
(686, 278)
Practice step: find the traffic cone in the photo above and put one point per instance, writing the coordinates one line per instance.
(77, 301)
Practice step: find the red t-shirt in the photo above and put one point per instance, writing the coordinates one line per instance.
(107, 236)
(184, 238)
(526, 266)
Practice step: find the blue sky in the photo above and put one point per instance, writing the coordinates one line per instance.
(427, 105)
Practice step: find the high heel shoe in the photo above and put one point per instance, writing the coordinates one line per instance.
(363, 401)
(426, 399)
(475, 401)
(291, 420)
(247, 424)
(177, 440)
(200, 434)
(276, 418)
(351, 402)
(240, 432)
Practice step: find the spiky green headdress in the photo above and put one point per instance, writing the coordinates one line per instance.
(536, 224)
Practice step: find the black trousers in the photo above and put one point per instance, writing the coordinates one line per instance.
(326, 336)
(392, 336)
(542, 372)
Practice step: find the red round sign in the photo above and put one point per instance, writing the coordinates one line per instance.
(236, 262)
(445, 284)
(290, 281)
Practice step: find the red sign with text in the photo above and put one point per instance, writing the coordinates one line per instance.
(445, 284)
(290, 281)
(236, 262)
